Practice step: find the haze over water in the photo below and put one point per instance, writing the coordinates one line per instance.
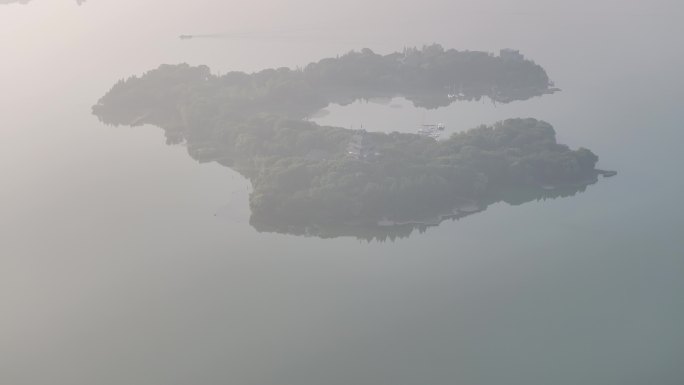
(115, 270)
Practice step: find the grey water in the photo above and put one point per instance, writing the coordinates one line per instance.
(118, 264)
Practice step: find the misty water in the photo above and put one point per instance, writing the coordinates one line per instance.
(124, 261)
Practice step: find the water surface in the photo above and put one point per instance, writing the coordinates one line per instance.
(114, 269)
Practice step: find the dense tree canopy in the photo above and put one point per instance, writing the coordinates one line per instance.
(311, 179)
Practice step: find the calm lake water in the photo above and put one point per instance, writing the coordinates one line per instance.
(114, 268)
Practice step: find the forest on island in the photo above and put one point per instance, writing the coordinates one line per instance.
(307, 178)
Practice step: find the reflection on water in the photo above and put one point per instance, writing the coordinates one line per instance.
(328, 181)
(389, 230)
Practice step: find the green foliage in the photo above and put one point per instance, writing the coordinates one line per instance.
(303, 174)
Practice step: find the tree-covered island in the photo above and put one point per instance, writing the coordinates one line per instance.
(330, 181)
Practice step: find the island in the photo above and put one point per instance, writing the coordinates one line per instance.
(327, 181)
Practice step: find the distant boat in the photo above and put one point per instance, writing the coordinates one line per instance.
(185, 37)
